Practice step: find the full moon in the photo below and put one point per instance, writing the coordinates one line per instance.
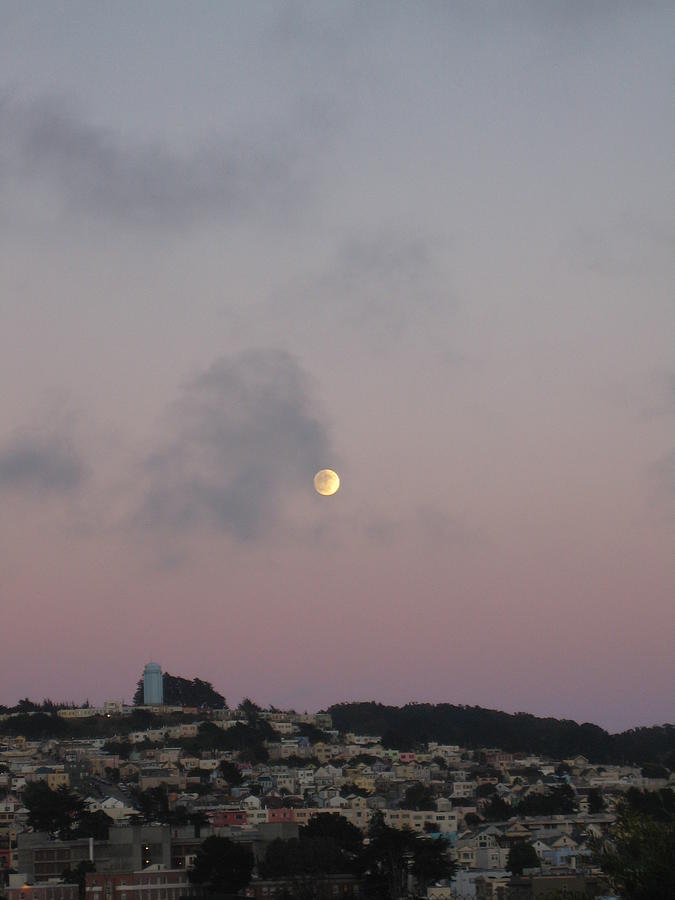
(326, 482)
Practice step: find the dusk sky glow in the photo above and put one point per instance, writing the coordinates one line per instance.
(427, 245)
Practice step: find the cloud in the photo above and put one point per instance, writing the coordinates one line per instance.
(41, 464)
(88, 170)
(384, 287)
(242, 439)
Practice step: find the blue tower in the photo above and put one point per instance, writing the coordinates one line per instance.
(153, 686)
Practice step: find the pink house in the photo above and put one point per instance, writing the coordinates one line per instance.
(281, 815)
(222, 817)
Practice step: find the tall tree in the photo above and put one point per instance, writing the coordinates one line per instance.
(395, 855)
(639, 856)
(522, 855)
(419, 796)
(222, 866)
(52, 811)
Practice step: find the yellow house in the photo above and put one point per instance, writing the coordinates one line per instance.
(55, 780)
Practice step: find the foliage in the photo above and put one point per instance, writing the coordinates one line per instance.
(118, 748)
(556, 801)
(250, 709)
(419, 796)
(254, 754)
(78, 875)
(248, 739)
(43, 725)
(52, 811)
(652, 770)
(639, 857)
(305, 857)
(392, 854)
(472, 726)
(596, 804)
(336, 828)
(497, 810)
(153, 804)
(430, 862)
(522, 855)
(485, 790)
(185, 692)
(659, 805)
(230, 772)
(313, 734)
(349, 788)
(94, 824)
(222, 866)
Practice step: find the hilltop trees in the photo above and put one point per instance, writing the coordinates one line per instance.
(185, 692)
(409, 726)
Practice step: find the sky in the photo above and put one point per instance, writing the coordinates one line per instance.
(428, 245)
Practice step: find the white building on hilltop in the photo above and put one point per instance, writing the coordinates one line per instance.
(153, 685)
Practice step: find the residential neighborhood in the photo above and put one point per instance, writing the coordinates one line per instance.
(148, 799)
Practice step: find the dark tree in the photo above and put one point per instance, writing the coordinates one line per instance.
(230, 773)
(153, 804)
(522, 856)
(198, 820)
(485, 790)
(52, 811)
(472, 726)
(639, 857)
(430, 863)
(497, 810)
(419, 796)
(94, 824)
(659, 805)
(595, 802)
(118, 748)
(222, 866)
(250, 709)
(256, 753)
(78, 876)
(558, 801)
(392, 855)
(336, 828)
(305, 858)
(652, 770)
(185, 692)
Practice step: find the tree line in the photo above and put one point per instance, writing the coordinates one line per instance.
(412, 726)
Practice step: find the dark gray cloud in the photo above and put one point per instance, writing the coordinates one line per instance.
(243, 438)
(384, 286)
(87, 170)
(41, 464)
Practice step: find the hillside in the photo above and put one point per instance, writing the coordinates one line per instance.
(472, 726)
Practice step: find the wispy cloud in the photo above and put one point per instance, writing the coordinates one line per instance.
(41, 463)
(91, 171)
(384, 287)
(240, 440)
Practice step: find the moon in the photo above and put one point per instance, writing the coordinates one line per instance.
(326, 482)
